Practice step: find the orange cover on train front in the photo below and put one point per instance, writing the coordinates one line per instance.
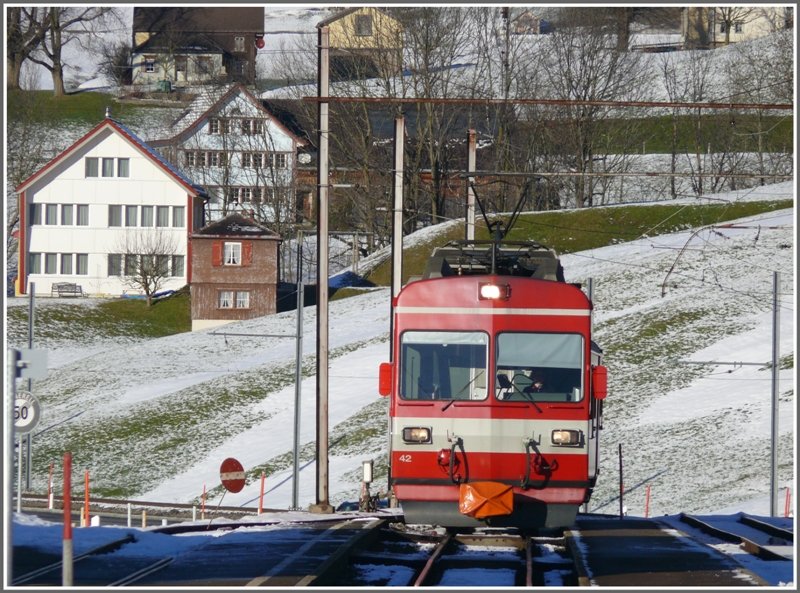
(485, 499)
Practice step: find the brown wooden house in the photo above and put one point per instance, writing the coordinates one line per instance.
(235, 267)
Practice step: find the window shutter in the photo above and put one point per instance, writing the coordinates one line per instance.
(247, 253)
(216, 253)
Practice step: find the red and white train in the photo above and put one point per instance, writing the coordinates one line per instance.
(496, 390)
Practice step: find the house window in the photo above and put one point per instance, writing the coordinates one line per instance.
(214, 126)
(281, 160)
(66, 264)
(162, 215)
(91, 166)
(83, 215)
(108, 167)
(180, 64)
(247, 160)
(123, 167)
(131, 264)
(177, 265)
(232, 254)
(225, 299)
(35, 263)
(36, 214)
(147, 216)
(82, 264)
(130, 216)
(200, 158)
(738, 27)
(51, 214)
(115, 264)
(50, 262)
(66, 214)
(162, 265)
(242, 299)
(178, 216)
(204, 65)
(114, 215)
(247, 194)
(238, 43)
(149, 64)
(188, 157)
(363, 24)
(213, 159)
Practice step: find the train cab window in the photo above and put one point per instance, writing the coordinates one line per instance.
(539, 367)
(443, 365)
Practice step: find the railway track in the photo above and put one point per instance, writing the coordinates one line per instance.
(372, 550)
(755, 537)
(51, 574)
(401, 556)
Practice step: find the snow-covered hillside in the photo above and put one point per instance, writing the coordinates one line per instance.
(156, 418)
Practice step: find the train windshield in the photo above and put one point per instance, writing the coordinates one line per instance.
(539, 367)
(443, 365)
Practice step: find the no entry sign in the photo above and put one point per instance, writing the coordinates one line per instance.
(231, 473)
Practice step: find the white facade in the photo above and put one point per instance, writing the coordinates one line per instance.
(228, 142)
(78, 221)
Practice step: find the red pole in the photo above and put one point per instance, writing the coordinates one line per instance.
(261, 496)
(647, 501)
(66, 567)
(86, 498)
(787, 507)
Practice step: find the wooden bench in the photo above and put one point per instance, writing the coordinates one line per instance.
(66, 289)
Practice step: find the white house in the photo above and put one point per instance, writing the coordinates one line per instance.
(240, 151)
(81, 213)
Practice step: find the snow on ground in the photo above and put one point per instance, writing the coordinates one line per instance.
(681, 425)
(698, 435)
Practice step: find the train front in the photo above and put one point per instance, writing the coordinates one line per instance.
(496, 401)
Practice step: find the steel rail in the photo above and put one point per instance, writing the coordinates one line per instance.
(29, 576)
(143, 572)
(419, 581)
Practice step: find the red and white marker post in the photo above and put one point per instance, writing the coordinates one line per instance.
(67, 556)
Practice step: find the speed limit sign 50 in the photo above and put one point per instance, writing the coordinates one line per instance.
(26, 411)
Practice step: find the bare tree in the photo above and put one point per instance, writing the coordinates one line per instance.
(749, 81)
(582, 64)
(734, 18)
(144, 259)
(116, 62)
(25, 154)
(65, 25)
(26, 29)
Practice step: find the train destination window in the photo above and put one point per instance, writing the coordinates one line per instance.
(443, 365)
(539, 367)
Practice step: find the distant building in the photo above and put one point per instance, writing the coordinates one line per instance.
(704, 27)
(245, 155)
(81, 210)
(235, 263)
(185, 46)
(365, 42)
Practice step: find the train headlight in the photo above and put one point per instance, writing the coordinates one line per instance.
(494, 292)
(416, 434)
(566, 438)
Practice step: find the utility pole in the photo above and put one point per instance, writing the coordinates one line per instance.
(471, 160)
(776, 361)
(397, 221)
(323, 185)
